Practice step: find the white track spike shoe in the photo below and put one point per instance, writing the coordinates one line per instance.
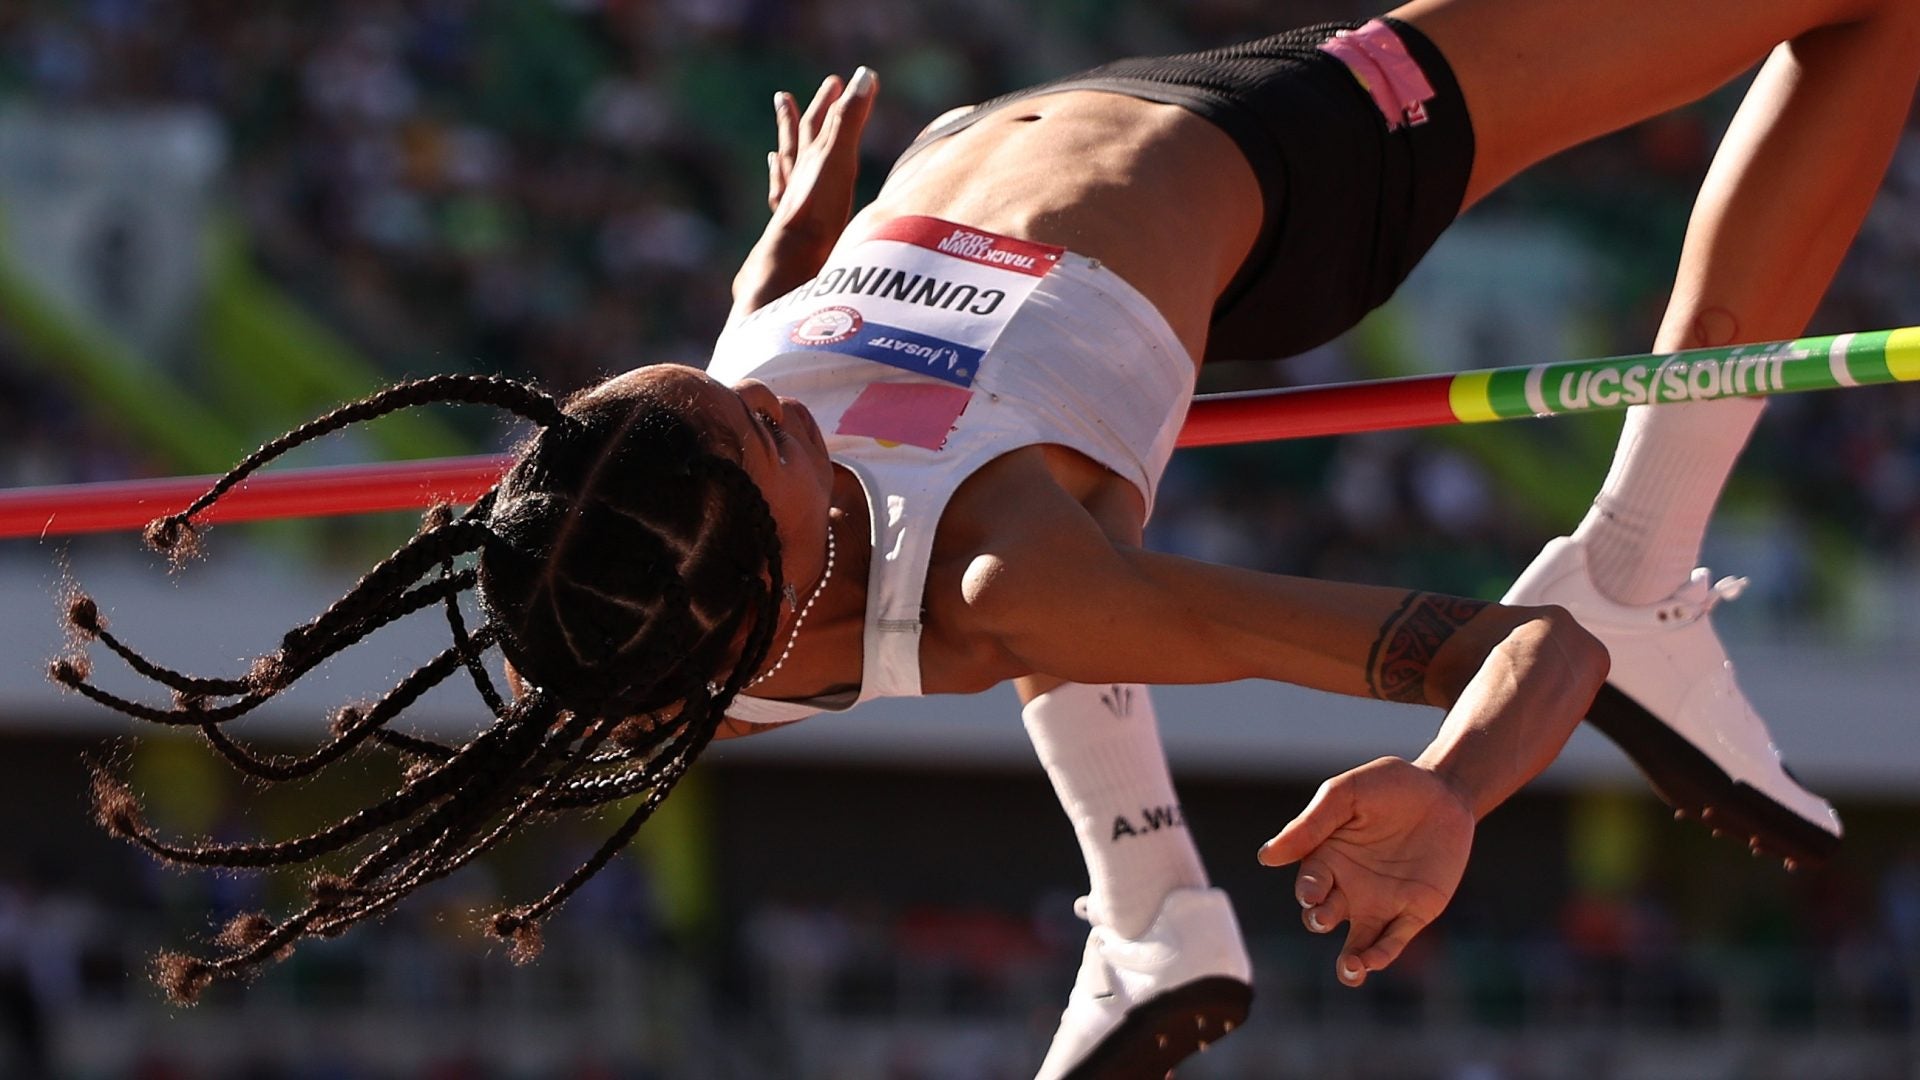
(1672, 704)
(1141, 1006)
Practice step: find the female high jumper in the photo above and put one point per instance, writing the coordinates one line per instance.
(922, 457)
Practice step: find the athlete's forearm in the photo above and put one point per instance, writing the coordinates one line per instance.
(781, 261)
(1361, 640)
(1086, 610)
(1515, 714)
(1096, 612)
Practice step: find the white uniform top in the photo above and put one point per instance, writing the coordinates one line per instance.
(928, 349)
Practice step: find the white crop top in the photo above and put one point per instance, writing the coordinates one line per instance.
(926, 350)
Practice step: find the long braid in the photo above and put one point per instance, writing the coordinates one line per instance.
(351, 725)
(167, 533)
(536, 802)
(116, 811)
(624, 569)
(456, 622)
(303, 648)
(191, 710)
(86, 622)
(693, 730)
(518, 924)
(528, 730)
(394, 574)
(412, 746)
(355, 727)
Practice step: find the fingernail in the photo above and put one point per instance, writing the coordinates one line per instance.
(862, 82)
(780, 102)
(1349, 970)
(1305, 887)
(1313, 922)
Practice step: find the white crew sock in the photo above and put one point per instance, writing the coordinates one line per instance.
(1644, 531)
(1101, 748)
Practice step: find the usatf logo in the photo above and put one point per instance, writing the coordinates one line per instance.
(980, 248)
(828, 326)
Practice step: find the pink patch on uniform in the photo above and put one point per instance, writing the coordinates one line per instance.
(1379, 60)
(918, 414)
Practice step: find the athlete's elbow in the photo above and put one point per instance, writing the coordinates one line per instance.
(1543, 642)
(986, 586)
(1063, 617)
(1001, 603)
(1562, 648)
(1587, 660)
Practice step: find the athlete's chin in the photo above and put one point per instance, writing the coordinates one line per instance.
(822, 459)
(813, 426)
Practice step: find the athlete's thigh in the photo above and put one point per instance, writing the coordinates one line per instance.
(1542, 75)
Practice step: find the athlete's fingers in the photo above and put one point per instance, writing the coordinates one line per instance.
(786, 128)
(851, 108)
(786, 125)
(827, 138)
(1361, 934)
(1349, 970)
(1391, 942)
(1315, 882)
(1323, 917)
(816, 113)
(860, 89)
(1332, 807)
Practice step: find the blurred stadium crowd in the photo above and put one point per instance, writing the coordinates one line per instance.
(1815, 981)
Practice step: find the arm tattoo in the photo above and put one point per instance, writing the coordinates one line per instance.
(1397, 665)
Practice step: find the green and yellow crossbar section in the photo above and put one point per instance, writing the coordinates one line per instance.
(1558, 388)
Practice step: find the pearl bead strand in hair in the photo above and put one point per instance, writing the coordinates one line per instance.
(794, 634)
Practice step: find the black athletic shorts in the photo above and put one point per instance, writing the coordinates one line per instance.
(1351, 204)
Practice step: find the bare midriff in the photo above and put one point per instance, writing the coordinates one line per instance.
(1158, 195)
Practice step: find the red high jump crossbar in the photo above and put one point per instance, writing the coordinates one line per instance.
(1840, 360)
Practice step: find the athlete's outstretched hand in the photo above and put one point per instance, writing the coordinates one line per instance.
(809, 188)
(810, 175)
(1381, 847)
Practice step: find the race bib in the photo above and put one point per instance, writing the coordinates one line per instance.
(920, 294)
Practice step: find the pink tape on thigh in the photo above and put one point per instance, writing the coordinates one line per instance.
(1379, 60)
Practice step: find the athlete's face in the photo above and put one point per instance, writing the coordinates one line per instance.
(773, 438)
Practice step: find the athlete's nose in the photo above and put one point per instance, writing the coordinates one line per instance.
(759, 396)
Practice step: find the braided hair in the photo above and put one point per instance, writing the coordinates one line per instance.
(622, 567)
